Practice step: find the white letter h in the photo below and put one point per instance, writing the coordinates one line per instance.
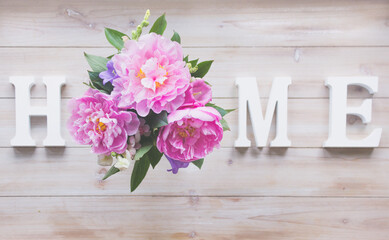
(24, 110)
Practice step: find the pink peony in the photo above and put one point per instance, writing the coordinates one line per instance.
(152, 75)
(97, 121)
(198, 94)
(191, 134)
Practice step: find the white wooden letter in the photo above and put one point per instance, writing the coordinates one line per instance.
(249, 97)
(24, 110)
(339, 110)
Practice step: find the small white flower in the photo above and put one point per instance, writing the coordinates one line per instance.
(123, 163)
(104, 160)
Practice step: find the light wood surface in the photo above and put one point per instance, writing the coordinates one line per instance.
(308, 68)
(252, 172)
(194, 217)
(200, 23)
(301, 192)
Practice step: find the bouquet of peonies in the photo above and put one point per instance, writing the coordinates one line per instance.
(146, 101)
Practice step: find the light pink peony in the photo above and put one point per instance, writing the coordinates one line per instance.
(152, 75)
(97, 121)
(198, 94)
(191, 134)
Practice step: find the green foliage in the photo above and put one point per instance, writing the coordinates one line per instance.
(143, 150)
(176, 37)
(194, 62)
(97, 83)
(154, 156)
(113, 170)
(222, 111)
(136, 33)
(98, 64)
(207, 83)
(115, 38)
(225, 125)
(150, 157)
(139, 172)
(203, 69)
(159, 25)
(157, 120)
(198, 163)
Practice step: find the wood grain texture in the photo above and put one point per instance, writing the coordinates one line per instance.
(193, 218)
(307, 122)
(301, 192)
(226, 172)
(200, 23)
(308, 68)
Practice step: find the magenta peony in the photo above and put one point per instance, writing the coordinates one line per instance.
(191, 134)
(97, 121)
(198, 94)
(152, 75)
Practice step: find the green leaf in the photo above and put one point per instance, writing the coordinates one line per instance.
(203, 68)
(89, 84)
(225, 125)
(176, 37)
(159, 26)
(97, 83)
(143, 150)
(94, 76)
(208, 83)
(198, 163)
(222, 111)
(98, 64)
(154, 156)
(194, 62)
(186, 58)
(115, 38)
(113, 170)
(139, 172)
(157, 120)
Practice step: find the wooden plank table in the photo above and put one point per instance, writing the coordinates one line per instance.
(301, 192)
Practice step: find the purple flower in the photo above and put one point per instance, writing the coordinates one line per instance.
(110, 74)
(176, 165)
